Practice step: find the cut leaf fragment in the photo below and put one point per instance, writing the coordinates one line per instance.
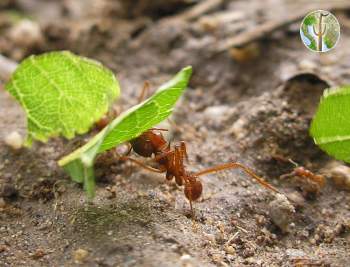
(125, 127)
(330, 127)
(62, 93)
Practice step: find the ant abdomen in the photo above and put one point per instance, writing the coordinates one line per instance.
(193, 190)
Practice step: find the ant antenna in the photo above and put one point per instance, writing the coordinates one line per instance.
(144, 92)
(293, 162)
(159, 129)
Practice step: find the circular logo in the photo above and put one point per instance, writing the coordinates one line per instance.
(320, 31)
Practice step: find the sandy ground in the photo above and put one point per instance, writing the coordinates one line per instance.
(252, 105)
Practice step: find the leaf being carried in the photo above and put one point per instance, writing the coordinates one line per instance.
(125, 127)
(330, 127)
(62, 93)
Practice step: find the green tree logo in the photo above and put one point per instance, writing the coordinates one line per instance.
(320, 31)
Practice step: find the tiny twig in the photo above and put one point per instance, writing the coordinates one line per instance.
(258, 32)
(232, 237)
(242, 229)
(201, 8)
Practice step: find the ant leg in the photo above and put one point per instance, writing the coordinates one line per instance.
(179, 161)
(144, 92)
(173, 124)
(126, 154)
(184, 150)
(191, 207)
(192, 210)
(234, 165)
(129, 150)
(141, 164)
(181, 176)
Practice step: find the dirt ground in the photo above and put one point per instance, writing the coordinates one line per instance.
(252, 104)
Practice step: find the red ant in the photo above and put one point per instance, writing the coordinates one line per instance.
(310, 183)
(152, 144)
(171, 161)
(302, 172)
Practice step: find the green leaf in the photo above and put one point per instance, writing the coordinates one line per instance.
(330, 127)
(310, 20)
(127, 126)
(62, 93)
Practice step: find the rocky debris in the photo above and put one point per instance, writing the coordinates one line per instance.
(187, 260)
(43, 189)
(8, 190)
(281, 212)
(339, 174)
(23, 39)
(38, 254)
(327, 234)
(80, 255)
(14, 140)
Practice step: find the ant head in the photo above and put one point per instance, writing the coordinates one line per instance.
(300, 171)
(193, 188)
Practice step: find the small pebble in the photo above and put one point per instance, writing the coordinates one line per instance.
(340, 175)
(26, 33)
(14, 140)
(220, 237)
(281, 212)
(295, 253)
(260, 220)
(297, 198)
(80, 255)
(210, 237)
(186, 260)
(215, 113)
(230, 250)
(3, 248)
(238, 128)
(8, 191)
(39, 253)
(217, 257)
(307, 65)
(2, 203)
(245, 54)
